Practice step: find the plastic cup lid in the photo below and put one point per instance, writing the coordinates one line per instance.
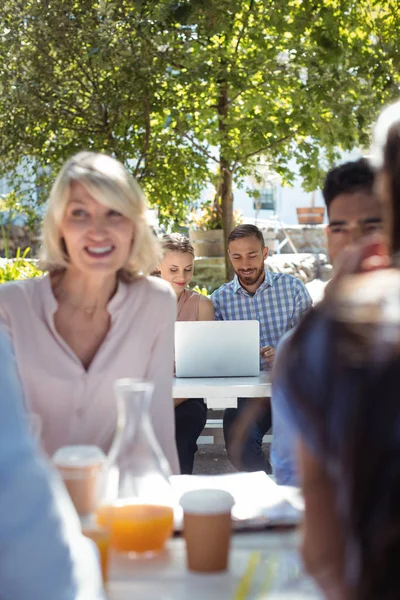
(78, 456)
(207, 502)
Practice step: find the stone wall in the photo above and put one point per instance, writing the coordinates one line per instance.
(305, 238)
(210, 272)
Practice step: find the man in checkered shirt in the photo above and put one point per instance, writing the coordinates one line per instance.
(278, 301)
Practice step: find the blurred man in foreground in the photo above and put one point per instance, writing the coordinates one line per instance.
(354, 211)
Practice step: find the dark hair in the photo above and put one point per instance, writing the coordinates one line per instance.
(176, 242)
(391, 167)
(348, 178)
(246, 231)
(350, 415)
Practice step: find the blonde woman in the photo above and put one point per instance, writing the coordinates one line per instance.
(95, 316)
(177, 268)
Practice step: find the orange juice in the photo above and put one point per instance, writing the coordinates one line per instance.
(137, 527)
(101, 537)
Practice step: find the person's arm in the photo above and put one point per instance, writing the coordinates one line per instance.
(206, 309)
(302, 303)
(323, 544)
(43, 553)
(284, 458)
(284, 461)
(160, 373)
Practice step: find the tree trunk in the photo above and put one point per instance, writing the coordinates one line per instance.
(225, 173)
(227, 212)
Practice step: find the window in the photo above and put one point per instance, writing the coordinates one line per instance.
(266, 200)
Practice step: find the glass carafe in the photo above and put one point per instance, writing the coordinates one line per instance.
(137, 501)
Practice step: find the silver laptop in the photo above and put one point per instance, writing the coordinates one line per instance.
(217, 348)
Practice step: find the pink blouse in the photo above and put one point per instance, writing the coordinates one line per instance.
(78, 406)
(188, 306)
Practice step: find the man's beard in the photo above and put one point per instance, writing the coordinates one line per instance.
(252, 278)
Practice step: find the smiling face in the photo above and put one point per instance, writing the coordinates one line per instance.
(96, 237)
(247, 257)
(177, 269)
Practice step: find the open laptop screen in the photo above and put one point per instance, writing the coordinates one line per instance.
(217, 348)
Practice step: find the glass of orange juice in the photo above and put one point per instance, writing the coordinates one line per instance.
(137, 528)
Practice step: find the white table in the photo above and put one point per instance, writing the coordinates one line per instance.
(167, 578)
(222, 392)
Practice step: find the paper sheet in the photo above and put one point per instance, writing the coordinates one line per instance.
(257, 497)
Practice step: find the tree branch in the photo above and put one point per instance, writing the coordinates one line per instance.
(263, 149)
(43, 49)
(146, 142)
(200, 147)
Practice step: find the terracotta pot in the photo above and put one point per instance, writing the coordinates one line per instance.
(207, 243)
(311, 215)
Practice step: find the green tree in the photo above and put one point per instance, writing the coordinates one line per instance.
(84, 75)
(189, 91)
(272, 81)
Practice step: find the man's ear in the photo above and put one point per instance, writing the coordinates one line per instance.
(265, 252)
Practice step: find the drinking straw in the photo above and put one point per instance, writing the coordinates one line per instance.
(245, 583)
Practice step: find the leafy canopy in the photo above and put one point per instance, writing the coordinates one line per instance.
(191, 91)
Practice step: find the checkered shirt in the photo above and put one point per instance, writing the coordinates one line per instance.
(278, 304)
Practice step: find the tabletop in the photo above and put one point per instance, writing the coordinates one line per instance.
(279, 574)
(221, 387)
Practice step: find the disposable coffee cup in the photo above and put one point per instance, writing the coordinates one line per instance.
(81, 467)
(207, 527)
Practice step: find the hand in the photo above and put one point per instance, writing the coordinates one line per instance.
(268, 354)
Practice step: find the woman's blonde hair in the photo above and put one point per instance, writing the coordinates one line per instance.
(107, 180)
(176, 242)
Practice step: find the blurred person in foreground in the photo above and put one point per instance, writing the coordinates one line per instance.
(340, 375)
(94, 317)
(354, 212)
(43, 553)
(177, 267)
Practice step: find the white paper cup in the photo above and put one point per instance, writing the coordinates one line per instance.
(207, 527)
(80, 468)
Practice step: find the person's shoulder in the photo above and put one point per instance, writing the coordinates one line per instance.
(23, 287)
(156, 290)
(288, 280)
(223, 289)
(202, 298)
(205, 300)
(193, 294)
(153, 285)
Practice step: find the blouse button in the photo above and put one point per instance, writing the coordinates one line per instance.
(79, 412)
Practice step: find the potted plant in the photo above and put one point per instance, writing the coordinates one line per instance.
(205, 232)
(311, 215)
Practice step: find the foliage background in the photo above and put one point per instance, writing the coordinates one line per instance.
(186, 92)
